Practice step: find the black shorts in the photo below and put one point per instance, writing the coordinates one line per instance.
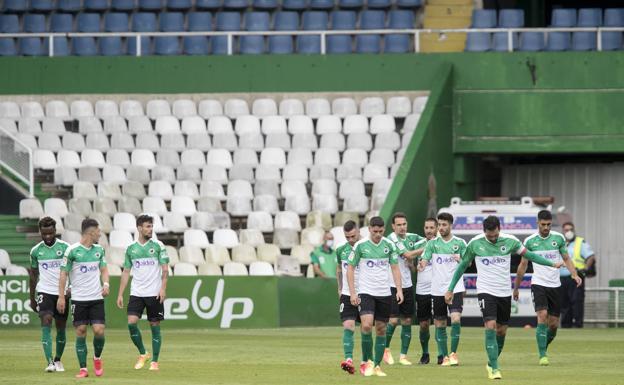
(546, 298)
(46, 304)
(424, 311)
(155, 309)
(407, 308)
(379, 306)
(88, 312)
(348, 312)
(495, 308)
(441, 310)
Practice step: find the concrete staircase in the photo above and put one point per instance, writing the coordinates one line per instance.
(440, 14)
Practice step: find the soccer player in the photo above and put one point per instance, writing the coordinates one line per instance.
(405, 244)
(45, 263)
(85, 265)
(348, 312)
(424, 311)
(545, 281)
(373, 256)
(492, 251)
(149, 263)
(444, 252)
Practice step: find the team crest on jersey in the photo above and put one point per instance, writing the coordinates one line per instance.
(98, 255)
(455, 247)
(59, 253)
(503, 249)
(386, 250)
(411, 244)
(554, 243)
(152, 251)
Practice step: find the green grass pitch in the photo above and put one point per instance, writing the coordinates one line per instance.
(312, 356)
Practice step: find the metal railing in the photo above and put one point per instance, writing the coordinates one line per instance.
(17, 158)
(604, 305)
(323, 34)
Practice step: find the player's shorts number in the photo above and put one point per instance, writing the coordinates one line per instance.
(39, 299)
(341, 307)
(482, 304)
(73, 308)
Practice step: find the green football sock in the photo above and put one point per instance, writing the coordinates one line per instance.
(500, 340)
(367, 346)
(491, 347)
(98, 345)
(455, 333)
(406, 338)
(380, 346)
(156, 342)
(424, 341)
(81, 351)
(46, 342)
(551, 334)
(61, 339)
(442, 340)
(542, 339)
(347, 343)
(135, 336)
(389, 333)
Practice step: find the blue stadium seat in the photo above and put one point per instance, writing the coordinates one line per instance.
(44, 6)
(351, 4)
(9, 24)
(511, 18)
(478, 42)
(236, 4)
(179, 5)
(378, 4)
(409, 3)
(16, 6)
(96, 5)
(208, 4)
(483, 18)
(255, 21)
(31, 46)
(286, 21)
(611, 40)
(71, 6)
(61, 45)
(343, 20)
(123, 5)
(558, 41)
(501, 41)
(226, 21)
(614, 17)
(167, 45)
(372, 20)
(563, 17)
(396, 43)
(532, 41)
(281, 45)
(367, 43)
(88, 22)
(584, 41)
(199, 21)
(116, 22)
(142, 22)
(400, 19)
(295, 5)
(315, 21)
(197, 45)
(111, 46)
(171, 21)
(322, 4)
(265, 4)
(84, 46)
(589, 17)
(309, 44)
(339, 44)
(35, 23)
(150, 5)
(61, 22)
(7, 47)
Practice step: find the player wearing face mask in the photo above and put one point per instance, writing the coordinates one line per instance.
(324, 258)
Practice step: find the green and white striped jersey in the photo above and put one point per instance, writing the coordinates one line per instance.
(48, 260)
(146, 261)
(374, 261)
(83, 265)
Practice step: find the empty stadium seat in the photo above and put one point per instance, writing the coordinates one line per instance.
(261, 268)
(234, 269)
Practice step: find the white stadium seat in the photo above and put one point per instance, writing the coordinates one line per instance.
(196, 238)
(130, 108)
(264, 107)
(234, 269)
(261, 268)
(372, 106)
(156, 108)
(290, 107)
(399, 106)
(342, 107)
(183, 108)
(355, 124)
(106, 109)
(316, 107)
(208, 108)
(235, 108)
